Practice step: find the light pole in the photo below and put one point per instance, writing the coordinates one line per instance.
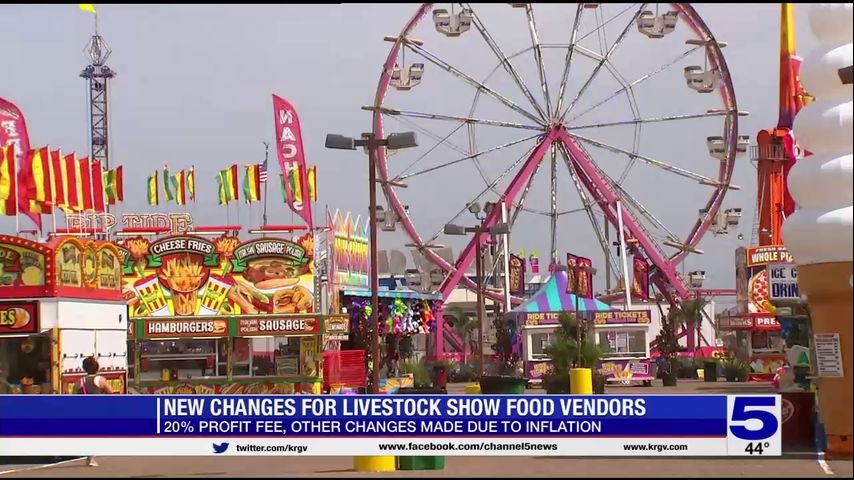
(577, 269)
(369, 142)
(497, 229)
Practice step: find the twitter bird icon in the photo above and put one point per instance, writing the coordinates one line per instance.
(221, 448)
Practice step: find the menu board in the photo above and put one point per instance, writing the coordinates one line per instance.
(287, 366)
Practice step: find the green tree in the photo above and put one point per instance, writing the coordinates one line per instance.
(465, 327)
(563, 351)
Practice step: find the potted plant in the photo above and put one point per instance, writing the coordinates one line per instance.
(668, 348)
(509, 378)
(564, 354)
(735, 370)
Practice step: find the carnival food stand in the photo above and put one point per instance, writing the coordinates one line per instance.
(224, 316)
(754, 332)
(60, 301)
(622, 335)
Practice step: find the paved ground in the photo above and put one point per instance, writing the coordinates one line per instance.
(791, 465)
(491, 467)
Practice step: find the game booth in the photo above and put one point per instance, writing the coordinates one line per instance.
(60, 302)
(623, 335)
(403, 312)
(224, 316)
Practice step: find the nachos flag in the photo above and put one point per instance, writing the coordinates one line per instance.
(289, 148)
(14, 132)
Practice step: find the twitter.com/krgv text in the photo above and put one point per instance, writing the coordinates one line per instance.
(224, 447)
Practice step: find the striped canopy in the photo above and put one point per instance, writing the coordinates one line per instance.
(552, 297)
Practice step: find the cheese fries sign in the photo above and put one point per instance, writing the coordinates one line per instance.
(190, 276)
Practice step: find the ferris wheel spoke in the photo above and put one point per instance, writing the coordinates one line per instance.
(605, 58)
(588, 207)
(600, 27)
(635, 83)
(553, 212)
(392, 112)
(524, 196)
(431, 149)
(567, 62)
(642, 209)
(604, 191)
(714, 113)
(650, 161)
(538, 57)
(505, 62)
(434, 136)
(468, 157)
(483, 192)
(471, 81)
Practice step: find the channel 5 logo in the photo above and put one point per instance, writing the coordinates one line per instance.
(754, 418)
(754, 427)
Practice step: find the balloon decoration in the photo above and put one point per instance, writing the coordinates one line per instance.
(397, 316)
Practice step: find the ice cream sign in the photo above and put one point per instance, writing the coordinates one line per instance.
(783, 282)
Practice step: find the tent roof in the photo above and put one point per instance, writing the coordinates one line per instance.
(552, 297)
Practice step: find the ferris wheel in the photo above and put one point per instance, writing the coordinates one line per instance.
(575, 119)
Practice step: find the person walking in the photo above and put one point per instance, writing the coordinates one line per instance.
(92, 384)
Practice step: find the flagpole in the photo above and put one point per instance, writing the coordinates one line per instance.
(14, 162)
(266, 157)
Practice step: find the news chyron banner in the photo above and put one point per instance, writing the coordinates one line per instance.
(402, 425)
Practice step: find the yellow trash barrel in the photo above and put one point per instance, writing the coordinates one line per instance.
(581, 381)
(473, 389)
(374, 464)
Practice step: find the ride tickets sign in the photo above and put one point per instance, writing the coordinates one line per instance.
(760, 256)
(622, 317)
(278, 326)
(162, 328)
(19, 317)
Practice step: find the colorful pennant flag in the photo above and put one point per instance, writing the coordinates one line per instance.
(60, 179)
(191, 183)
(8, 172)
(86, 183)
(262, 173)
(312, 183)
(252, 183)
(87, 7)
(180, 188)
(168, 184)
(74, 185)
(113, 186)
(40, 181)
(153, 190)
(227, 180)
(97, 176)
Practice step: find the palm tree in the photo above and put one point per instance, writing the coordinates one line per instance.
(689, 313)
(464, 326)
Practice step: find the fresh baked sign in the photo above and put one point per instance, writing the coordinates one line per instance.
(278, 326)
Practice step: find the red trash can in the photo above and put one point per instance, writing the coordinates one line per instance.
(797, 416)
(440, 376)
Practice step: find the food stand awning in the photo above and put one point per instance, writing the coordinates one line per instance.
(553, 297)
